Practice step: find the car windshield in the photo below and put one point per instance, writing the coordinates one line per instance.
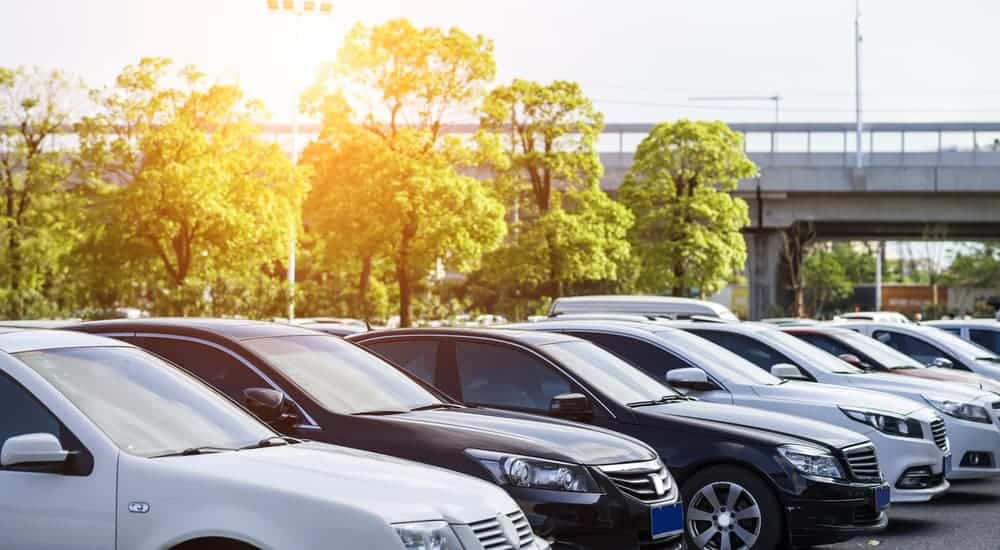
(885, 356)
(144, 405)
(813, 356)
(957, 345)
(734, 368)
(341, 377)
(607, 373)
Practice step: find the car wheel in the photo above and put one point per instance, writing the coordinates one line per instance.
(730, 508)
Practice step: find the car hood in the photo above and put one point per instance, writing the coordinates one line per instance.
(755, 423)
(813, 393)
(952, 375)
(395, 489)
(525, 434)
(915, 388)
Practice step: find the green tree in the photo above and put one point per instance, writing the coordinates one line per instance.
(39, 210)
(825, 279)
(566, 230)
(978, 268)
(402, 83)
(190, 195)
(687, 229)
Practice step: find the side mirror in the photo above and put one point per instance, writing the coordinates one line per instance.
(571, 406)
(942, 363)
(270, 406)
(690, 379)
(39, 452)
(852, 359)
(787, 371)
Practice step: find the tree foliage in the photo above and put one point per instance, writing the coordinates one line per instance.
(191, 199)
(398, 84)
(687, 229)
(40, 210)
(825, 278)
(977, 269)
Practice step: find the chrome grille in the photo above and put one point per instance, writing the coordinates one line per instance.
(940, 433)
(863, 463)
(646, 481)
(491, 534)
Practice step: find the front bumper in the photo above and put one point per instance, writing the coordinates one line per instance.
(899, 455)
(578, 521)
(972, 437)
(830, 512)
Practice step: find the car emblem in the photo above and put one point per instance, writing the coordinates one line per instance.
(509, 531)
(658, 485)
(138, 507)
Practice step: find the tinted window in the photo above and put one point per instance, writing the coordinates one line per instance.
(340, 376)
(218, 368)
(917, 349)
(504, 377)
(144, 405)
(827, 344)
(988, 339)
(21, 413)
(757, 353)
(953, 330)
(418, 357)
(653, 360)
(607, 373)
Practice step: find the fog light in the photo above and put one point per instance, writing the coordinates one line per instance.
(918, 477)
(975, 459)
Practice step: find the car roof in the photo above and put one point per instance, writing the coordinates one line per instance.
(21, 340)
(744, 327)
(636, 328)
(234, 329)
(634, 303)
(818, 328)
(988, 323)
(529, 337)
(38, 323)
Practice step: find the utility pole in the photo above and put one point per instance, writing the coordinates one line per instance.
(859, 150)
(296, 9)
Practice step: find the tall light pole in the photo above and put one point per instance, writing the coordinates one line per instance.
(297, 9)
(859, 149)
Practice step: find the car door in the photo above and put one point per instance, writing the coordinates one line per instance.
(654, 361)
(758, 353)
(916, 348)
(73, 508)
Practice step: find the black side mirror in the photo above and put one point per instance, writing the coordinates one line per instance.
(270, 406)
(571, 406)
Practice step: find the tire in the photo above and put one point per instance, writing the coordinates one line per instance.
(710, 498)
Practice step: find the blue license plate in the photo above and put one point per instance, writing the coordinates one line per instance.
(882, 498)
(947, 465)
(666, 520)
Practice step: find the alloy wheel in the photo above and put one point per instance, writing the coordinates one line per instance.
(723, 516)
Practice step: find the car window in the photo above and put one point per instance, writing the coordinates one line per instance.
(21, 413)
(915, 348)
(218, 368)
(607, 373)
(757, 353)
(418, 357)
(952, 330)
(500, 376)
(828, 344)
(146, 406)
(989, 339)
(655, 361)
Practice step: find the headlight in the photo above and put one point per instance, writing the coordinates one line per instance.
(811, 461)
(887, 423)
(427, 535)
(536, 473)
(965, 411)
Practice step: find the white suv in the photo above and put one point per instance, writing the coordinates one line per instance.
(106, 446)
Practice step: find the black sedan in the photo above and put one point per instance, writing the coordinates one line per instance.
(751, 479)
(582, 488)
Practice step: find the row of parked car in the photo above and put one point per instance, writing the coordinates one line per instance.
(624, 422)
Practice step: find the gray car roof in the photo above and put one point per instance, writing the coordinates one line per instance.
(17, 340)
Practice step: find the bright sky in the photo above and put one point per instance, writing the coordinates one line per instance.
(641, 59)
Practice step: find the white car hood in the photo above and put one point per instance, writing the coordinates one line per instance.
(812, 393)
(395, 489)
(916, 387)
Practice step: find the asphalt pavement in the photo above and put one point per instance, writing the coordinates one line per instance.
(965, 518)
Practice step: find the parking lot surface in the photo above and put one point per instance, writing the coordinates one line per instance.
(966, 518)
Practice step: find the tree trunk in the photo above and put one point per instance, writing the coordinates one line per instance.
(403, 271)
(364, 282)
(16, 308)
(678, 289)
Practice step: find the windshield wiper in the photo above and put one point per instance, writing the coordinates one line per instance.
(662, 401)
(433, 406)
(379, 413)
(273, 441)
(990, 359)
(192, 451)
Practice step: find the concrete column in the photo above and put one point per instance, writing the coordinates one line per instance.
(763, 270)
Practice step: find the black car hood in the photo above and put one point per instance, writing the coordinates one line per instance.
(530, 435)
(755, 424)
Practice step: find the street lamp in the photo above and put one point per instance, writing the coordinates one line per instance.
(298, 9)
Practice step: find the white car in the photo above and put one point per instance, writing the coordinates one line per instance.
(106, 446)
(902, 430)
(970, 414)
(934, 347)
(985, 333)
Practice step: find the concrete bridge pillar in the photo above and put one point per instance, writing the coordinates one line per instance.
(764, 249)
